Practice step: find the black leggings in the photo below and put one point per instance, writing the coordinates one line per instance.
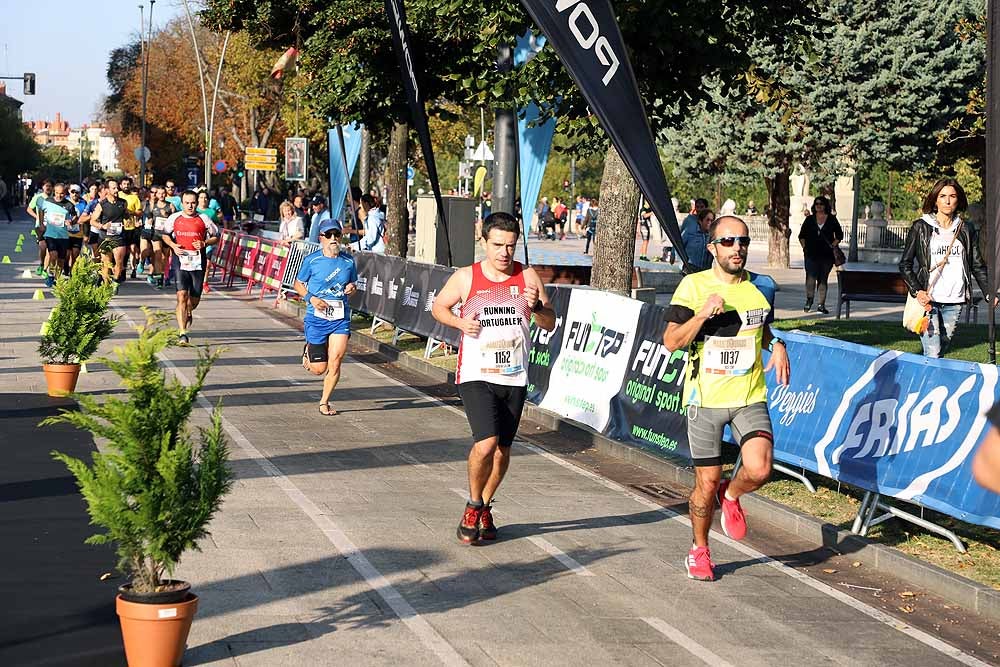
(817, 273)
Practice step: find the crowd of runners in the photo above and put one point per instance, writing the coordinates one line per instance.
(163, 237)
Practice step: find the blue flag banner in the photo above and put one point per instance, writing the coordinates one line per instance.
(339, 181)
(898, 424)
(534, 143)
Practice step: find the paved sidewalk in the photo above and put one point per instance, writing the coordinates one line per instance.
(337, 543)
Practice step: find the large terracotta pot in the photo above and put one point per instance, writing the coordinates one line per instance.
(61, 378)
(155, 634)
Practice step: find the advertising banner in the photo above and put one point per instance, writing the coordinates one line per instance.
(339, 178)
(534, 143)
(598, 334)
(589, 43)
(897, 424)
(436, 279)
(384, 287)
(545, 345)
(296, 158)
(364, 265)
(648, 409)
(413, 293)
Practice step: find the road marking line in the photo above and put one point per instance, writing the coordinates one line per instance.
(921, 636)
(568, 561)
(265, 362)
(406, 613)
(685, 642)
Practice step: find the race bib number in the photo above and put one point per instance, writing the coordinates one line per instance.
(56, 219)
(502, 357)
(729, 355)
(190, 260)
(334, 311)
(147, 224)
(114, 229)
(160, 224)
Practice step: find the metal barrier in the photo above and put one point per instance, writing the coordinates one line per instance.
(297, 252)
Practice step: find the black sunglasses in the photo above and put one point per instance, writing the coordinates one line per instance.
(330, 233)
(729, 241)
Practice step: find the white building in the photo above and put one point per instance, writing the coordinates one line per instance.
(97, 142)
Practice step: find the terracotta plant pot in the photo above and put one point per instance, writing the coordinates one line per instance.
(61, 378)
(155, 635)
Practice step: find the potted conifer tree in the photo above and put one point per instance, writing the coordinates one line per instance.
(152, 489)
(79, 322)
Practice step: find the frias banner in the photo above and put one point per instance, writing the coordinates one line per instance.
(436, 279)
(585, 35)
(648, 410)
(890, 422)
(546, 345)
(598, 332)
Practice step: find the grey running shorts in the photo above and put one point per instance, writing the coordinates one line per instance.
(705, 426)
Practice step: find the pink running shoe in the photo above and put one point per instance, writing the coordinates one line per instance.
(734, 522)
(699, 564)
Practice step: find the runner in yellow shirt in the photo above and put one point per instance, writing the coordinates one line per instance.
(133, 222)
(722, 319)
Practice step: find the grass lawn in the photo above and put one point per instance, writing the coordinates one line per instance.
(970, 344)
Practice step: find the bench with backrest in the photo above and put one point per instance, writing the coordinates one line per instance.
(880, 284)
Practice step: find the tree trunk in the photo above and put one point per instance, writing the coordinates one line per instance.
(780, 195)
(364, 162)
(397, 226)
(614, 245)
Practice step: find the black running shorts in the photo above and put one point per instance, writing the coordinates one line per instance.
(318, 353)
(191, 282)
(130, 237)
(58, 246)
(493, 410)
(75, 242)
(644, 230)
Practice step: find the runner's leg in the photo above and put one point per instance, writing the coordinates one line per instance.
(337, 347)
(701, 503)
(120, 255)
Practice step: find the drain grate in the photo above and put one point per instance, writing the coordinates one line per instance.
(660, 491)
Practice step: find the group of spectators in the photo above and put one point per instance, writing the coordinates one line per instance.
(557, 220)
(366, 229)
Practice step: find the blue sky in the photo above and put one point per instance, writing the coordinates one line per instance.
(68, 50)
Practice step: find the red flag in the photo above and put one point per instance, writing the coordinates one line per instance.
(285, 62)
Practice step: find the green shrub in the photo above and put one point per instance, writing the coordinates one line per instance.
(80, 320)
(152, 490)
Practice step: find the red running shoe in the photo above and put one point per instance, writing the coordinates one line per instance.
(468, 527)
(734, 522)
(487, 529)
(699, 564)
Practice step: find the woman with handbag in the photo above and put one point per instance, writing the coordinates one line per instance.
(820, 237)
(940, 258)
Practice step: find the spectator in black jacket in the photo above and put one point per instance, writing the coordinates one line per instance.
(820, 233)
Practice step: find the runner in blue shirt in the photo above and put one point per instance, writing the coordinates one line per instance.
(325, 281)
(53, 217)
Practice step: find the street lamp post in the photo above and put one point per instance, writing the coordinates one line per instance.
(145, 43)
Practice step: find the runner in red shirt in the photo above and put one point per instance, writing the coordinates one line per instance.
(189, 233)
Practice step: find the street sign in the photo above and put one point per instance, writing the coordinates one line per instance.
(252, 151)
(261, 166)
(220, 166)
(192, 176)
(142, 154)
(483, 153)
(264, 159)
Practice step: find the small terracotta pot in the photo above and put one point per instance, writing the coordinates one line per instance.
(155, 635)
(61, 378)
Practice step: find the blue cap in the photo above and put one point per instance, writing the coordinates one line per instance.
(329, 224)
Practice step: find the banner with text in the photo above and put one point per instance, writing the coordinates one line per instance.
(598, 333)
(546, 345)
(898, 424)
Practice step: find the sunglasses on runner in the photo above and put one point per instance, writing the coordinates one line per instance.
(330, 233)
(729, 241)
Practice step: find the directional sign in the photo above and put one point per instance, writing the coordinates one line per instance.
(261, 166)
(142, 154)
(262, 151)
(265, 159)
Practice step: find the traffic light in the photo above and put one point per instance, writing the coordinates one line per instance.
(239, 170)
(29, 83)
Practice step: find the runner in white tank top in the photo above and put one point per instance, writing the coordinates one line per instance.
(498, 297)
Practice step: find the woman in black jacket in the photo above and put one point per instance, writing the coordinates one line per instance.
(820, 232)
(939, 260)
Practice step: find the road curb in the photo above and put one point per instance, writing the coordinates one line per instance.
(972, 595)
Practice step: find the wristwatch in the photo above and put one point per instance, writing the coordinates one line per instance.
(775, 339)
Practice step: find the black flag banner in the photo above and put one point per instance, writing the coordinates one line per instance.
(401, 41)
(586, 37)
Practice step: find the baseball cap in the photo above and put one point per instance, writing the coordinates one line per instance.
(75, 188)
(318, 199)
(329, 224)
